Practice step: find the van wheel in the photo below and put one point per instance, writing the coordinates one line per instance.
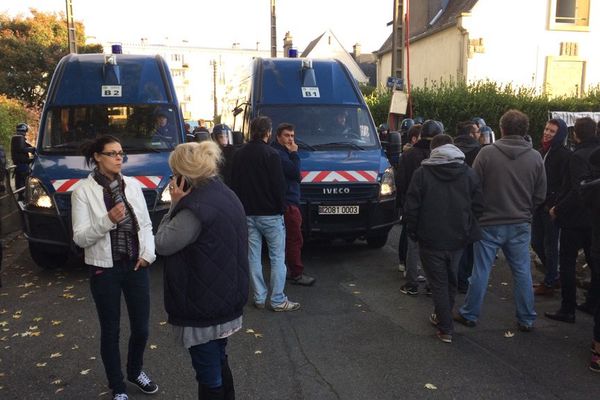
(377, 242)
(46, 257)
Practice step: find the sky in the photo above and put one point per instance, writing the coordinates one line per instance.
(220, 23)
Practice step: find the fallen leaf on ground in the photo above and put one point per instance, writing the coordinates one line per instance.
(430, 386)
(258, 352)
(37, 319)
(504, 283)
(35, 334)
(33, 328)
(258, 335)
(85, 372)
(59, 390)
(56, 382)
(356, 292)
(351, 284)
(92, 358)
(3, 323)
(162, 323)
(60, 335)
(40, 364)
(508, 334)
(54, 323)
(75, 347)
(249, 330)
(153, 347)
(3, 311)
(55, 355)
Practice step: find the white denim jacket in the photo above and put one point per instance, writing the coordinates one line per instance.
(91, 225)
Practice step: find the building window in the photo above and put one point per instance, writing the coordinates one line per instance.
(573, 15)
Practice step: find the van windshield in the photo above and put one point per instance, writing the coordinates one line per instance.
(141, 129)
(320, 128)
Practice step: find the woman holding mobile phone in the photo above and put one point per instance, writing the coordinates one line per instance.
(204, 241)
(112, 225)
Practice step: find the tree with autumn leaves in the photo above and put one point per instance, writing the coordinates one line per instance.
(30, 48)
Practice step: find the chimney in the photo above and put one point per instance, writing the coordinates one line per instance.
(287, 43)
(356, 50)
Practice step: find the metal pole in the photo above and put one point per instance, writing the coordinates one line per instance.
(71, 28)
(397, 40)
(273, 30)
(214, 64)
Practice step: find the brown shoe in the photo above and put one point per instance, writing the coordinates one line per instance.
(543, 290)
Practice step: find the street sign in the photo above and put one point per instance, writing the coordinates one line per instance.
(395, 83)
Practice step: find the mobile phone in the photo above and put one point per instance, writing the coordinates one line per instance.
(179, 178)
(186, 183)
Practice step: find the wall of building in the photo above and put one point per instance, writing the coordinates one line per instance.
(517, 42)
(193, 68)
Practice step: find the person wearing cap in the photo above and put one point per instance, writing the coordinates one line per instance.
(20, 152)
(409, 163)
(161, 129)
(544, 232)
(290, 162)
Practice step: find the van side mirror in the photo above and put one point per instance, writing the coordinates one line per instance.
(394, 147)
(238, 138)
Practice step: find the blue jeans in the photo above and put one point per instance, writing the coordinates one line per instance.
(273, 229)
(207, 359)
(106, 285)
(544, 241)
(514, 240)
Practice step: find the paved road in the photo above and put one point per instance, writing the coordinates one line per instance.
(356, 337)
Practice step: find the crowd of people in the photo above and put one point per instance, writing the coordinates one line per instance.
(463, 199)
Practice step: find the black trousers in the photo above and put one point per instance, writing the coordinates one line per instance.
(441, 267)
(571, 241)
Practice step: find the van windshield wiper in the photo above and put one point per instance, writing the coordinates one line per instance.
(338, 144)
(304, 145)
(131, 149)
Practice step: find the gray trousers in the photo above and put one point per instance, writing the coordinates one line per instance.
(413, 264)
(441, 267)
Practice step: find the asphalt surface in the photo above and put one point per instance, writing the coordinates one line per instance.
(355, 337)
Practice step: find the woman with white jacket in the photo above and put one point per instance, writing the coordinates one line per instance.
(111, 223)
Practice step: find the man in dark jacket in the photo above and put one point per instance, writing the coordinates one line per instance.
(544, 231)
(20, 151)
(258, 180)
(290, 162)
(443, 189)
(513, 182)
(467, 140)
(410, 161)
(574, 220)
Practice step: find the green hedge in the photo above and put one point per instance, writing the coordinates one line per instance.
(452, 102)
(13, 112)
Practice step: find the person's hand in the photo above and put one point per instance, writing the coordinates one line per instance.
(552, 213)
(176, 191)
(140, 263)
(117, 213)
(292, 147)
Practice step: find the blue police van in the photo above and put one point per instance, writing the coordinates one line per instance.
(131, 97)
(347, 187)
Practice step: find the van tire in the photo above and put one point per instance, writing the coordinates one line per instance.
(45, 258)
(377, 242)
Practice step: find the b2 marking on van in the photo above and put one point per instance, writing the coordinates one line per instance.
(111, 91)
(310, 92)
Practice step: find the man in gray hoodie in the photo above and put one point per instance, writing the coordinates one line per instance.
(513, 181)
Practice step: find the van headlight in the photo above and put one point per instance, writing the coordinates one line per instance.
(165, 196)
(36, 195)
(388, 184)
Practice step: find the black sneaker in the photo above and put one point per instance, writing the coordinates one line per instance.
(145, 384)
(410, 290)
(463, 321)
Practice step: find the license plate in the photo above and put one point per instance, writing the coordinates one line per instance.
(338, 210)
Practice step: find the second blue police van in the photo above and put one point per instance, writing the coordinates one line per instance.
(131, 97)
(347, 187)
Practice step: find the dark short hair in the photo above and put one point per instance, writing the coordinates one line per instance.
(554, 122)
(260, 127)
(585, 128)
(414, 131)
(90, 147)
(284, 127)
(440, 140)
(465, 127)
(514, 122)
